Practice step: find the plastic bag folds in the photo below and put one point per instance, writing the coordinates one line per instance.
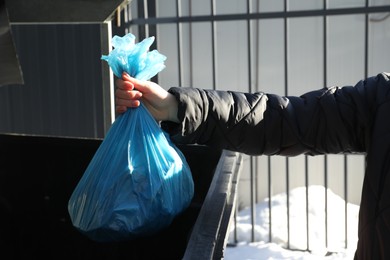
(138, 181)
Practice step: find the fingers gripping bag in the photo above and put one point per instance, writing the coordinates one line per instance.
(138, 180)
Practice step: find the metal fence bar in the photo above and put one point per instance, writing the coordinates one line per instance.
(288, 201)
(179, 43)
(265, 15)
(325, 48)
(366, 42)
(285, 30)
(252, 171)
(191, 69)
(326, 198)
(143, 13)
(269, 199)
(213, 44)
(307, 202)
(346, 200)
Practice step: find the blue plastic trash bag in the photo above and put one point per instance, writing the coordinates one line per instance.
(138, 180)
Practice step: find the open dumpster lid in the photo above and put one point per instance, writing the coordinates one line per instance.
(10, 71)
(46, 12)
(62, 11)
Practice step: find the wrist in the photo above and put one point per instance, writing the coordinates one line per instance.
(172, 108)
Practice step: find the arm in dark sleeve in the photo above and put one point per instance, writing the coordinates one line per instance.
(333, 120)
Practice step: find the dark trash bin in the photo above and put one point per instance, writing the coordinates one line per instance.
(38, 175)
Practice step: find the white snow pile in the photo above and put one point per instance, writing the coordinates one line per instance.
(321, 243)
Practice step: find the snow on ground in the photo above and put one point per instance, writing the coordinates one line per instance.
(276, 249)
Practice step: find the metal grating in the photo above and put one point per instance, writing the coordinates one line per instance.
(280, 47)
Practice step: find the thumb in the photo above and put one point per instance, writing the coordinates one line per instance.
(140, 85)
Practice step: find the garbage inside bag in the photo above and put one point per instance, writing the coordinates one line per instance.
(138, 181)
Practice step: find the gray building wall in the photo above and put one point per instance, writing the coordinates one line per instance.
(66, 90)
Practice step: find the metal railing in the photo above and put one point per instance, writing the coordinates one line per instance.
(142, 18)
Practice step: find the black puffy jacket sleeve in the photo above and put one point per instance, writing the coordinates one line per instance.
(329, 120)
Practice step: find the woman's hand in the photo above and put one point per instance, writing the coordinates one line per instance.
(160, 103)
